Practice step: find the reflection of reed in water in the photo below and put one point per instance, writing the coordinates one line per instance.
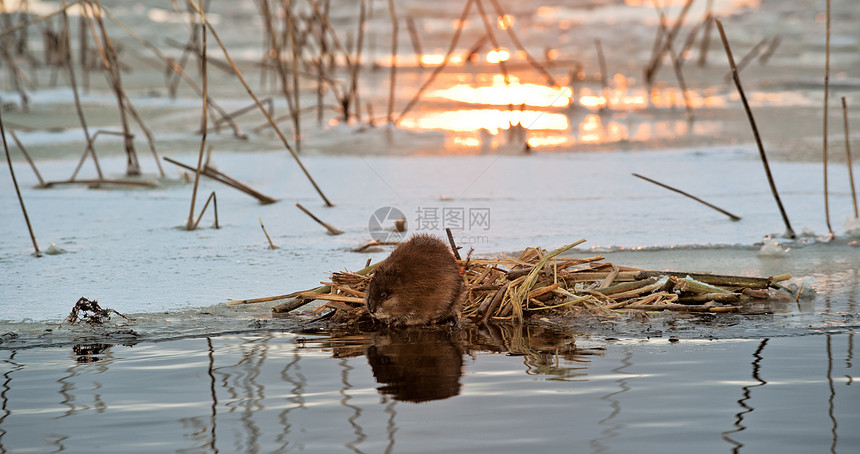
(747, 395)
(4, 398)
(614, 430)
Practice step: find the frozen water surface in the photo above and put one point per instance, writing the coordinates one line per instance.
(188, 373)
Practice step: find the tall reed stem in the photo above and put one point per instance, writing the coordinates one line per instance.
(17, 190)
(789, 232)
(826, 111)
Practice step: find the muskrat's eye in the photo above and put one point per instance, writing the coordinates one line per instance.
(383, 295)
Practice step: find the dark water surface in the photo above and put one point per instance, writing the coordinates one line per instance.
(488, 389)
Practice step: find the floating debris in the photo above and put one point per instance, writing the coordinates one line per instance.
(90, 313)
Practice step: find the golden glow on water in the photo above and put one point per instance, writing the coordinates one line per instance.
(492, 120)
(501, 94)
(505, 22)
(437, 59)
(497, 56)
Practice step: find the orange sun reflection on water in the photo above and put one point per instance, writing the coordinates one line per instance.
(501, 94)
(492, 120)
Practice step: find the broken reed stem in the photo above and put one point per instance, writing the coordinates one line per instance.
(413, 36)
(28, 158)
(730, 215)
(257, 101)
(204, 125)
(78, 108)
(331, 230)
(752, 54)
(214, 201)
(301, 301)
(676, 63)
(36, 20)
(826, 111)
(454, 249)
(460, 24)
(789, 232)
(17, 190)
(356, 64)
(296, 52)
(510, 29)
(847, 156)
(225, 179)
(708, 22)
(114, 74)
(601, 61)
(668, 36)
(392, 75)
(490, 28)
(271, 244)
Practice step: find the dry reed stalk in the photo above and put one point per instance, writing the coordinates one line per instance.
(490, 29)
(847, 156)
(747, 58)
(225, 179)
(708, 22)
(36, 20)
(17, 190)
(666, 44)
(356, 63)
(454, 249)
(214, 201)
(275, 51)
(730, 215)
(771, 49)
(268, 238)
(519, 45)
(296, 48)
(324, 297)
(789, 231)
(413, 35)
(15, 73)
(259, 104)
(177, 69)
(73, 81)
(331, 230)
(676, 62)
(601, 62)
(460, 24)
(826, 115)
(392, 74)
(28, 158)
(112, 70)
(191, 225)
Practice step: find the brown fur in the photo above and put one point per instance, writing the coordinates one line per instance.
(418, 284)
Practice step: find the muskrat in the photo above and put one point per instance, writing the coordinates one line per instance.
(418, 284)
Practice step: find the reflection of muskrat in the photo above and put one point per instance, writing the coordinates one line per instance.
(419, 283)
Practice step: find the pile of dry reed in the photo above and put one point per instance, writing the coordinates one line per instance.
(540, 282)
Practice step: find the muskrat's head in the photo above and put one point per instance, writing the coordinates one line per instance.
(382, 296)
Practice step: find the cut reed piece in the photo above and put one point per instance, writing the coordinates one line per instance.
(331, 230)
(268, 238)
